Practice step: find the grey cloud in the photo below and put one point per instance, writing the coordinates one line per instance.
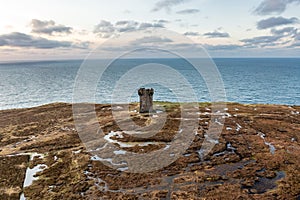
(261, 41)
(287, 30)
(150, 25)
(273, 6)
(162, 21)
(191, 34)
(297, 36)
(17, 39)
(216, 34)
(106, 29)
(126, 26)
(222, 47)
(167, 4)
(188, 11)
(295, 44)
(151, 39)
(276, 21)
(49, 27)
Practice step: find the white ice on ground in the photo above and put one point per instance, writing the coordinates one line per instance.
(77, 152)
(211, 140)
(238, 127)
(110, 160)
(120, 152)
(271, 147)
(118, 134)
(230, 147)
(30, 173)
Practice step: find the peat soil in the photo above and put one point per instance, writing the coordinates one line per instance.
(257, 155)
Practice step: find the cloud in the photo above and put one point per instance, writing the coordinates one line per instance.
(296, 44)
(273, 6)
(261, 41)
(48, 27)
(126, 26)
(188, 11)
(167, 4)
(106, 29)
(151, 40)
(287, 31)
(17, 39)
(217, 34)
(191, 34)
(161, 21)
(276, 21)
(222, 47)
(150, 25)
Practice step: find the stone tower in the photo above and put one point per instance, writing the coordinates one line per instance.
(146, 100)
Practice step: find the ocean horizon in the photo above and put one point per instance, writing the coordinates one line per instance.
(26, 84)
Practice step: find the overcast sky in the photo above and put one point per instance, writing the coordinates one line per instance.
(70, 29)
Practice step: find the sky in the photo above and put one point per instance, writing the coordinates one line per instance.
(71, 29)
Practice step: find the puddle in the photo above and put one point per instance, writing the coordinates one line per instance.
(210, 139)
(264, 184)
(158, 111)
(118, 134)
(110, 160)
(223, 169)
(30, 173)
(120, 152)
(230, 147)
(229, 150)
(99, 183)
(271, 147)
(238, 127)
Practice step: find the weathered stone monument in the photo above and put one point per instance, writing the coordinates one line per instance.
(146, 100)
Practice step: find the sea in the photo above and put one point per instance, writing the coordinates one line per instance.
(244, 80)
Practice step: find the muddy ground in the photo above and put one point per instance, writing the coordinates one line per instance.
(257, 155)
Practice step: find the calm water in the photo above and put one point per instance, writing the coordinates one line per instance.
(269, 81)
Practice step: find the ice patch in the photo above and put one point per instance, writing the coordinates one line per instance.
(122, 169)
(30, 173)
(238, 127)
(120, 152)
(77, 152)
(230, 147)
(118, 134)
(271, 147)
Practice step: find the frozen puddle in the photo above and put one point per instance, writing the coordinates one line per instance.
(271, 147)
(30, 173)
(238, 127)
(118, 134)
